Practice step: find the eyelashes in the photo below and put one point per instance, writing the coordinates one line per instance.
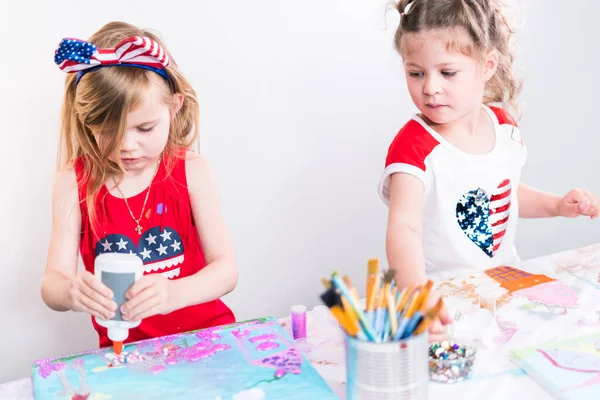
(145, 130)
(447, 74)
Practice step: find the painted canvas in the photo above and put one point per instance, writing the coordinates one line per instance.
(525, 298)
(568, 369)
(251, 360)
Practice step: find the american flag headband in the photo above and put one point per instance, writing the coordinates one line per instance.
(81, 57)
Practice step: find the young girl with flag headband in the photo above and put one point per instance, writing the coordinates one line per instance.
(128, 182)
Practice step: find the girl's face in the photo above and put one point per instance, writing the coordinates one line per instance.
(147, 128)
(444, 85)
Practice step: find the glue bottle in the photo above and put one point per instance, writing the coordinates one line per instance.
(118, 271)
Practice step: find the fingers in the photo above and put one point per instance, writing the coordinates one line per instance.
(437, 337)
(581, 202)
(108, 306)
(592, 210)
(93, 283)
(86, 304)
(573, 209)
(98, 292)
(577, 195)
(437, 333)
(87, 299)
(145, 282)
(95, 308)
(138, 303)
(145, 309)
(444, 316)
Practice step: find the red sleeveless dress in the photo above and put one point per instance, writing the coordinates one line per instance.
(169, 245)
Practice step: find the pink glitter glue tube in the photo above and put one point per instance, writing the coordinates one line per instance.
(298, 318)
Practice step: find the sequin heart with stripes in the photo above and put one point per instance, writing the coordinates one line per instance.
(483, 218)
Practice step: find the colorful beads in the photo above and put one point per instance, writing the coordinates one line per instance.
(124, 358)
(450, 362)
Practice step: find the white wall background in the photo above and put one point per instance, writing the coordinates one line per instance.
(299, 102)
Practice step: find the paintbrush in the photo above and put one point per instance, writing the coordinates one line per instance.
(352, 317)
(420, 310)
(332, 300)
(339, 284)
(424, 295)
(406, 292)
(349, 314)
(388, 277)
(371, 298)
(351, 287)
(372, 272)
(379, 317)
(391, 304)
(408, 314)
(429, 316)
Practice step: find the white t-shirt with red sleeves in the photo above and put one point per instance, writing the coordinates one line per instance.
(470, 200)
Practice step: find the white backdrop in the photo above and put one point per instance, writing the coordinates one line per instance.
(299, 102)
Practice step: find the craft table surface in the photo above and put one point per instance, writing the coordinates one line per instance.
(495, 376)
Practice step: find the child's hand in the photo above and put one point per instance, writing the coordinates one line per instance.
(437, 328)
(88, 294)
(578, 202)
(149, 296)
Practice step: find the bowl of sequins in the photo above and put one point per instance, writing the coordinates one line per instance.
(450, 362)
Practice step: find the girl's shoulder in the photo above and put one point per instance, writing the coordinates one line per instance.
(412, 144)
(197, 170)
(503, 115)
(188, 168)
(65, 183)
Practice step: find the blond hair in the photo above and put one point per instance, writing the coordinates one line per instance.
(100, 103)
(486, 24)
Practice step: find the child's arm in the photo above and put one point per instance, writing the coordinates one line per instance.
(404, 242)
(63, 288)
(404, 239)
(220, 275)
(534, 203)
(154, 294)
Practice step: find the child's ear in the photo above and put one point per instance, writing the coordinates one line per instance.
(490, 65)
(177, 104)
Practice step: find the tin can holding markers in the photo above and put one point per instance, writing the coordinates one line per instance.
(395, 370)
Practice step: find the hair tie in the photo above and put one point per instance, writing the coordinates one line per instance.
(406, 9)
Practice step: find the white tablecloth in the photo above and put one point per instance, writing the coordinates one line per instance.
(494, 375)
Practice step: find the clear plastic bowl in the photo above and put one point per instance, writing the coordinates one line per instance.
(452, 370)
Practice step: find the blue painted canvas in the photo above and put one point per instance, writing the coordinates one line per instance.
(568, 369)
(251, 360)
